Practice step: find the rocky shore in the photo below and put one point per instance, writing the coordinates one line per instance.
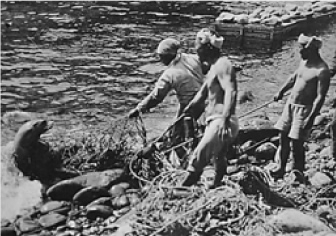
(115, 201)
(106, 198)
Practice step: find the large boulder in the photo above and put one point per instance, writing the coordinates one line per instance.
(90, 194)
(265, 151)
(99, 179)
(52, 220)
(61, 207)
(66, 189)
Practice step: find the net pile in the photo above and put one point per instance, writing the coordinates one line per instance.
(100, 147)
(227, 210)
(175, 210)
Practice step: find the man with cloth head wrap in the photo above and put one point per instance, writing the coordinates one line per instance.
(309, 84)
(183, 75)
(220, 88)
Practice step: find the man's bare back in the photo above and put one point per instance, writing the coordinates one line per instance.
(220, 80)
(308, 79)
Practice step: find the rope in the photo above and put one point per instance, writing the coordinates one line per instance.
(259, 107)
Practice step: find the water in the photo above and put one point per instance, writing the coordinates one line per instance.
(76, 62)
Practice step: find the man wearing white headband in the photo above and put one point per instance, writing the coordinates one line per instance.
(309, 84)
(220, 88)
(183, 75)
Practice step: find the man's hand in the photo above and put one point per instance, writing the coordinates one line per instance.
(223, 128)
(278, 96)
(134, 113)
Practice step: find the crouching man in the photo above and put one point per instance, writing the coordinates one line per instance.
(220, 88)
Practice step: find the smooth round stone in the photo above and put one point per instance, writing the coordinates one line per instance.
(89, 194)
(100, 211)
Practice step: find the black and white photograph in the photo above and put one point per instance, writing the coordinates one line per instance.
(168, 118)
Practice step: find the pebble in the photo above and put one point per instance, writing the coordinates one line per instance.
(100, 211)
(320, 179)
(326, 152)
(119, 189)
(292, 220)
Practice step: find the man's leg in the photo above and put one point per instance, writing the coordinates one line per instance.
(196, 164)
(299, 155)
(201, 156)
(282, 154)
(220, 168)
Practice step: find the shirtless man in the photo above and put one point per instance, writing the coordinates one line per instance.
(220, 87)
(310, 84)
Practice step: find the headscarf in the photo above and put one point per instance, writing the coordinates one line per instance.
(307, 41)
(206, 36)
(168, 46)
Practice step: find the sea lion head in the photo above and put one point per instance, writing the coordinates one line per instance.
(29, 134)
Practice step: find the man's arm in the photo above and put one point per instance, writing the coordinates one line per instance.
(322, 90)
(286, 86)
(162, 88)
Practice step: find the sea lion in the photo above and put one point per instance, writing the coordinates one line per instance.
(30, 155)
(35, 158)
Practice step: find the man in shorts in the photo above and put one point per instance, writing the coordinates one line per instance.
(220, 88)
(309, 84)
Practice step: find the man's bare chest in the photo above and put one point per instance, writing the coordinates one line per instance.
(307, 75)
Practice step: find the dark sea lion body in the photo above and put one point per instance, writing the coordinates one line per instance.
(34, 158)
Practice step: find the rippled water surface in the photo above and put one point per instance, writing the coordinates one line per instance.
(74, 56)
(91, 58)
(88, 61)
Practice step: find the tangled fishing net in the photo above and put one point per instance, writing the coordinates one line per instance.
(100, 147)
